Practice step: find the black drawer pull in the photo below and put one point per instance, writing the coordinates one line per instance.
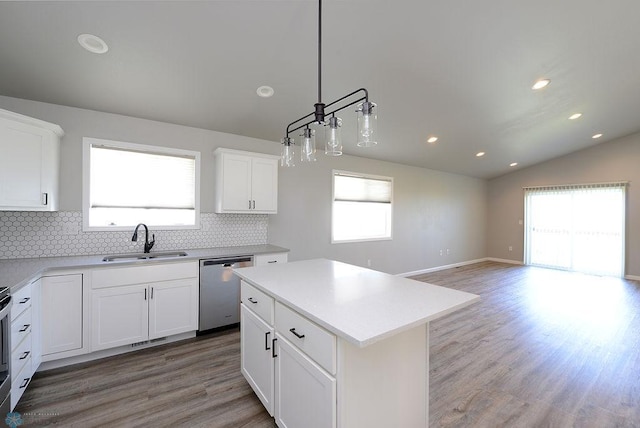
(25, 382)
(25, 300)
(295, 333)
(273, 348)
(25, 355)
(266, 341)
(252, 300)
(272, 261)
(25, 328)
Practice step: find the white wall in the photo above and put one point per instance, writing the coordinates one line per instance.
(432, 210)
(618, 160)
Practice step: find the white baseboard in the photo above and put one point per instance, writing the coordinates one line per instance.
(632, 277)
(512, 262)
(437, 268)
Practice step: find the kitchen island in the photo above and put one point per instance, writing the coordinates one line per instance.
(328, 344)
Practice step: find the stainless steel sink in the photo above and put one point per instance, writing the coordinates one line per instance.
(144, 256)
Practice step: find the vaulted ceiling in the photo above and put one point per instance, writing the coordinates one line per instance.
(459, 70)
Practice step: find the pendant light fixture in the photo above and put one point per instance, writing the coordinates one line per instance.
(325, 114)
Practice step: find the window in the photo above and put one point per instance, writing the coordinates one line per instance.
(125, 184)
(361, 207)
(577, 227)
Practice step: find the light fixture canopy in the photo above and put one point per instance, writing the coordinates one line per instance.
(596, 136)
(480, 154)
(366, 115)
(575, 116)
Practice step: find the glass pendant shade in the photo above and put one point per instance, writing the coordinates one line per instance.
(308, 146)
(333, 144)
(287, 155)
(367, 124)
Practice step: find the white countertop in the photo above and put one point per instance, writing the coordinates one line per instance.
(359, 305)
(15, 273)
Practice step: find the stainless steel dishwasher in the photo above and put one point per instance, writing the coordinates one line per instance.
(220, 292)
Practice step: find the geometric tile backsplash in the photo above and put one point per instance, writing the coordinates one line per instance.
(50, 234)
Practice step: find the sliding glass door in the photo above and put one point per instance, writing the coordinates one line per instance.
(578, 228)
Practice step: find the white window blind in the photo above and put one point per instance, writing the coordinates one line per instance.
(576, 227)
(129, 179)
(362, 207)
(362, 189)
(125, 184)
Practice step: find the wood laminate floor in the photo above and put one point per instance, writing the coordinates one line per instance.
(543, 348)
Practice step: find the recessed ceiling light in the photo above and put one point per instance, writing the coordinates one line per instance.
(93, 43)
(480, 154)
(596, 136)
(540, 83)
(513, 164)
(432, 139)
(265, 91)
(574, 116)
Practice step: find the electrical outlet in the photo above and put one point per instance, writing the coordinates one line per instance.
(440, 252)
(510, 248)
(70, 229)
(368, 262)
(447, 251)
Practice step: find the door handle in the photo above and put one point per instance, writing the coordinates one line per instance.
(266, 341)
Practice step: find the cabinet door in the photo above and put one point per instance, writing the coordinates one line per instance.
(305, 394)
(173, 307)
(256, 341)
(236, 182)
(120, 316)
(264, 185)
(22, 165)
(61, 313)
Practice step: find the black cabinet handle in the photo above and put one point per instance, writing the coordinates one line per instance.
(25, 328)
(25, 382)
(295, 333)
(266, 341)
(273, 348)
(25, 300)
(25, 355)
(252, 301)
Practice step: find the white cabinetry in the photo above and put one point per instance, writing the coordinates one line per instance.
(293, 381)
(256, 341)
(140, 303)
(29, 163)
(25, 337)
(62, 315)
(246, 182)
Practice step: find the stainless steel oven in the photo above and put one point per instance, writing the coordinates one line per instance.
(5, 352)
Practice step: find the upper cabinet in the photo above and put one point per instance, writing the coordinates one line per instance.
(29, 163)
(246, 182)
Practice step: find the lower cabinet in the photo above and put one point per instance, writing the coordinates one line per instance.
(292, 386)
(123, 312)
(305, 393)
(256, 342)
(24, 335)
(62, 314)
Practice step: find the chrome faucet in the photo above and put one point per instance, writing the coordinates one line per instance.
(147, 245)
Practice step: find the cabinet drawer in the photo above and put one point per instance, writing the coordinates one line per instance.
(21, 355)
(20, 381)
(113, 277)
(21, 301)
(20, 328)
(257, 301)
(265, 259)
(313, 340)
